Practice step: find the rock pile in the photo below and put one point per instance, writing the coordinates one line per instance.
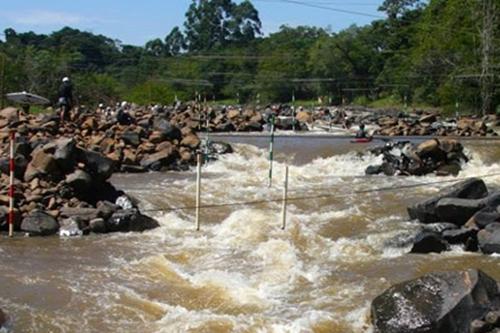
(64, 188)
(447, 302)
(464, 214)
(62, 168)
(441, 156)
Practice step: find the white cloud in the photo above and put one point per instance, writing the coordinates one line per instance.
(45, 17)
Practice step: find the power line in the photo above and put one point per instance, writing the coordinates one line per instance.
(319, 196)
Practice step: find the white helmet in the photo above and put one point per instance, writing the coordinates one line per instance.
(65, 79)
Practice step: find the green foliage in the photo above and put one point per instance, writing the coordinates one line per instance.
(428, 52)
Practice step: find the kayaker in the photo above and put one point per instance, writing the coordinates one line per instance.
(361, 133)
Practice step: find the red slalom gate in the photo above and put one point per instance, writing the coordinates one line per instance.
(11, 184)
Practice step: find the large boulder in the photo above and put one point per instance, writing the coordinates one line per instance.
(158, 161)
(3, 319)
(489, 238)
(445, 302)
(131, 138)
(39, 223)
(65, 153)
(130, 220)
(43, 164)
(79, 180)
(456, 210)
(484, 217)
(425, 212)
(167, 130)
(83, 214)
(97, 165)
(429, 242)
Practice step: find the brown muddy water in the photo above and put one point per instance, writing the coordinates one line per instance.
(241, 272)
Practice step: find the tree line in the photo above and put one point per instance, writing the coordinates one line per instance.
(437, 53)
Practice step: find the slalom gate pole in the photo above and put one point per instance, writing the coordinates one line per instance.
(271, 152)
(11, 183)
(293, 111)
(198, 191)
(285, 197)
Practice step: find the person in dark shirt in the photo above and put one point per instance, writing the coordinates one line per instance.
(361, 133)
(65, 98)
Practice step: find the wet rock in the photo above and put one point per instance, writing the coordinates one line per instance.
(429, 242)
(438, 302)
(126, 202)
(493, 318)
(70, 228)
(97, 165)
(39, 223)
(439, 227)
(105, 208)
(479, 326)
(97, 226)
(456, 210)
(3, 319)
(458, 236)
(425, 212)
(484, 217)
(130, 220)
(489, 238)
(79, 180)
(84, 214)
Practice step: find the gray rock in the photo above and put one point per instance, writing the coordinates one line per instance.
(484, 217)
(457, 211)
(39, 223)
(159, 160)
(79, 180)
(98, 226)
(429, 242)
(84, 214)
(131, 138)
(435, 303)
(130, 220)
(69, 228)
(105, 209)
(459, 236)
(97, 165)
(167, 130)
(425, 212)
(489, 238)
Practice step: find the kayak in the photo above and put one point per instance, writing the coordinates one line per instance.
(362, 140)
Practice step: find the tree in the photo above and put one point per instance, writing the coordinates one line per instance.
(395, 8)
(217, 23)
(155, 47)
(175, 42)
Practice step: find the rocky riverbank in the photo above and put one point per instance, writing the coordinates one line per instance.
(444, 302)
(440, 156)
(62, 168)
(195, 117)
(387, 122)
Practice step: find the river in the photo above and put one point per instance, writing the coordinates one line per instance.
(240, 272)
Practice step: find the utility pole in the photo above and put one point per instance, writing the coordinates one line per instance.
(2, 83)
(487, 47)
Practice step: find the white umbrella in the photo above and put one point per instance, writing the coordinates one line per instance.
(27, 98)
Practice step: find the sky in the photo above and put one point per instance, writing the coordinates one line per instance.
(136, 22)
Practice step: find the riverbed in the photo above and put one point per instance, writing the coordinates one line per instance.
(241, 272)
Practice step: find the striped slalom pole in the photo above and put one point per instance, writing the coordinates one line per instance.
(11, 184)
(198, 190)
(285, 198)
(271, 152)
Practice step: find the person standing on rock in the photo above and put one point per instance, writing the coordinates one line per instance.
(65, 101)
